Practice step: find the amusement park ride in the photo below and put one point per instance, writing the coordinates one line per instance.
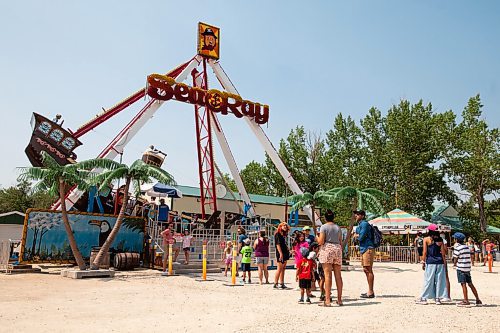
(208, 103)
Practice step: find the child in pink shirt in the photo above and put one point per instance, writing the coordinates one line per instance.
(298, 243)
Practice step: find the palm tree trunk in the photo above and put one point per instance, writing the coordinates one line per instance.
(69, 232)
(111, 238)
(313, 220)
(347, 240)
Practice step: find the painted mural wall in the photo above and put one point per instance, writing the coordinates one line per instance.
(45, 239)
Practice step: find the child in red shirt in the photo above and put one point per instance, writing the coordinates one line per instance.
(305, 271)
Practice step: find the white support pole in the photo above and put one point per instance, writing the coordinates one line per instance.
(235, 173)
(129, 131)
(263, 139)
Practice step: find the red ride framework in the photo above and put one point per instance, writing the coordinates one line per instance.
(204, 146)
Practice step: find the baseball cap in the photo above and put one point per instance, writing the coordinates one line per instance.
(459, 236)
(432, 227)
(359, 212)
(306, 228)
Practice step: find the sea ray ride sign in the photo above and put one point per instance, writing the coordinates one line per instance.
(164, 88)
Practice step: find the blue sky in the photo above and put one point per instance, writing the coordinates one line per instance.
(309, 60)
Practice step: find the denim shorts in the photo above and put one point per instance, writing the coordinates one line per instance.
(261, 260)
(463, 277)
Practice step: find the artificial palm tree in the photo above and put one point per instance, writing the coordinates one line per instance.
(138, 173)
(320, 199)
(54, 179)
(367, 199)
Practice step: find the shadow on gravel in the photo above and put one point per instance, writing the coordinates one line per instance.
(395, 296)
(361, 304)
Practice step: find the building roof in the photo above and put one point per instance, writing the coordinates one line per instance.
(191, 191)
(13, 217)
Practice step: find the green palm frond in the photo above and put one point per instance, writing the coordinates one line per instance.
(370, 203)
(98, 163)
(107, 177)
(300, 200)
(33, 173)
(49, 162)
(137, 188)
(323, 199)
(343, 193)
(376, 193)
(161, 175)
(367, 199)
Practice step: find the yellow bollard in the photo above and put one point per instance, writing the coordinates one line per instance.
(204, 276)
(170, 261)
(233, 267)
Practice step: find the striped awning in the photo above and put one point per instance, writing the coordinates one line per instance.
(399, 222)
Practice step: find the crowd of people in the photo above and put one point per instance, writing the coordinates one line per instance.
(318, 260)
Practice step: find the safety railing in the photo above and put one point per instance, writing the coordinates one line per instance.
(216, 238)
(389, 253)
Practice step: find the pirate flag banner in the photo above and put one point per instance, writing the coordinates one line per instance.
(208, 40)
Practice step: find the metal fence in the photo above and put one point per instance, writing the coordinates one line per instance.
(216, 238)
(389, 253)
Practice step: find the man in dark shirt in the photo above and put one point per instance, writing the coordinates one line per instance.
(163, 210)
(364, 233)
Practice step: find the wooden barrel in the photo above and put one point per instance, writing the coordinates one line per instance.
(126, 261)
(93, 254)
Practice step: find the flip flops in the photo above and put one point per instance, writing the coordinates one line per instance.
(329, 305)
(463, 304)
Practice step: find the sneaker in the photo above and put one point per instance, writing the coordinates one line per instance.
(301, 300)
(283, 286)
(275, 286)
(322, 298)
(421, 301)
(445, 300)
(312, 296)
(308, 301)
(438, 301)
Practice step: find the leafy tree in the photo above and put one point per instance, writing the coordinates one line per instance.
(415, 142)
(21, 197)
(473, 160)
(138, 173)
(226, 180)
(469, 217)
(303, 153)
(377, 164)
(254, 176)
(343, 153)
(54, 179)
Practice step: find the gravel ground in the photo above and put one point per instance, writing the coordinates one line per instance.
(143, 300)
